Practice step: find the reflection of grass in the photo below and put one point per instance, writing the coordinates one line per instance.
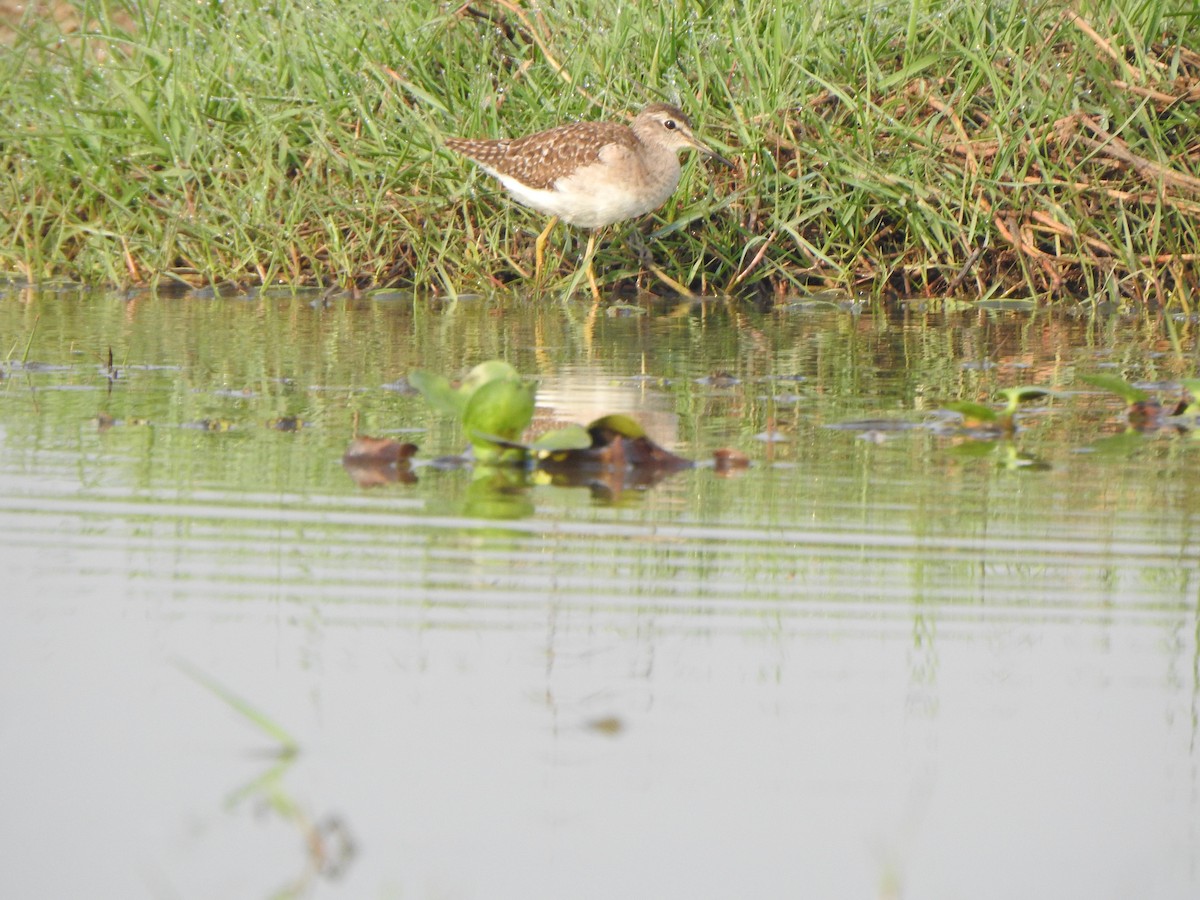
(252, 714)
(28, 342)
(987, 150)
(328, 845)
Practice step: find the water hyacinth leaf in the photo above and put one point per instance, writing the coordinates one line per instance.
(449, 400)
(972, 413)
(502, 443)
(572, 437)
(438, 392)
(491, 370)
(1115, 384)
(1023, 394)
(618, 424)
(502, 408)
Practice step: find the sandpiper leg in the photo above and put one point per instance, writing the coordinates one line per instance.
(591, 272)
(539, 248)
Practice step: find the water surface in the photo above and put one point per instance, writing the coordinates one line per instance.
(879, 663)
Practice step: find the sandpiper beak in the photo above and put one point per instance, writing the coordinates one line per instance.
(710, 152)
(728, 163)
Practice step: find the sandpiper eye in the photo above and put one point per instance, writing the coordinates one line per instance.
(669, 124)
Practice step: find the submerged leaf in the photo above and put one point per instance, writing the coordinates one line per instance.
(1115, 384)
(438, 392)
(873, 425)
(973, 449)
(1007, 304)
(973, 413)
(1124, 444)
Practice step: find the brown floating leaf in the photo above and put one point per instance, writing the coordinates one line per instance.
(729, 462)
(215, 425)
(610, 726)
(719, 380)
(376, 461)
(1146, 415)
(618, 444)
(377, 450)
(614, 463)
(615, 451)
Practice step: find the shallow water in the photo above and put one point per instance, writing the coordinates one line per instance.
(881, 662)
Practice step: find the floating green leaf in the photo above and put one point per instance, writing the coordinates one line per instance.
(618, 424)
(1016, 461)
(1115, 384)
(1022, 394)
(572, 437)
(495, 407)
(500, 408)
(485, 373)
(445, 398)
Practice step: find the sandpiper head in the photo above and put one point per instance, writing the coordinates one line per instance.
(667, 126)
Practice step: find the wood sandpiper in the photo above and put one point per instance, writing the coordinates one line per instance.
(591, 174)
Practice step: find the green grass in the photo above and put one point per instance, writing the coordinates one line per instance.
(976, 149)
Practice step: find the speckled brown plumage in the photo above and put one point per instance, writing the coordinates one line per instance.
(539, 160)
(592, 174)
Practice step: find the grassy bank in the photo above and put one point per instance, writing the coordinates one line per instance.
(967, 148)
